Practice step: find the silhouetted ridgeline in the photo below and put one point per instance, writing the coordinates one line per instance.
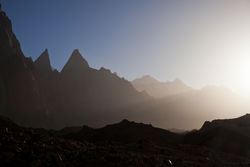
(160, 89)
(122, 144)
(230, 135)
(33, 94)
(37, 97)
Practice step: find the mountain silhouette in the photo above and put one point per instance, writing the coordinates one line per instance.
(87, 92)
(19, 92)
(42, 63)
(75, 63)
(160, 89)
(228, 135)
(37, 97)
(34, 94)
(126, 132)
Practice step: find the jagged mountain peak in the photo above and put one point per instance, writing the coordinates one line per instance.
(146, 79)
(159, 89)
(76, 62)
(42, 63)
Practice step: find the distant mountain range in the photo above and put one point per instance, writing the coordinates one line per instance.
(32, 93)
(160, 89)
(191, 106)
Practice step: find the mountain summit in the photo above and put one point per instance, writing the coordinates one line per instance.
(159, 89)
(42, 63)
(75, 63)
(145, 80)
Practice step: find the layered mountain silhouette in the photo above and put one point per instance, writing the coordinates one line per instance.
(83, 94)
(160, 89)
(195, 107)
(34, 94)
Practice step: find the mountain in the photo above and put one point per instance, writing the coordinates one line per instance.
(195, 107)
(82, 94)
(19, 93)
(189, 108)
(228, 135)
(75, 63)
(160, 89)
(34, 94)
(126, 132)
(42, 64)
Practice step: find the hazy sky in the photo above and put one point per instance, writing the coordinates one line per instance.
(199, 41)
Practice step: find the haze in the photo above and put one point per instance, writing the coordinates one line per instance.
(200, 42)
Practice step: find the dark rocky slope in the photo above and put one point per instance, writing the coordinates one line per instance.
(126, 132)
(230, 135)
(37, 147)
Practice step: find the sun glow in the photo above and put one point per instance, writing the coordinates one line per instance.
(239, 68)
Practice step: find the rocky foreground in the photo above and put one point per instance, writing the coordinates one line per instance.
(38, 147)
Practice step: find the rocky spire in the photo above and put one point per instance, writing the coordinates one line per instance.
(76, 62)
(42, 63)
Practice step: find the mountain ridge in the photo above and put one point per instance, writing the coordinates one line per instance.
(159, 89)
(228, 135)
(126, 131)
